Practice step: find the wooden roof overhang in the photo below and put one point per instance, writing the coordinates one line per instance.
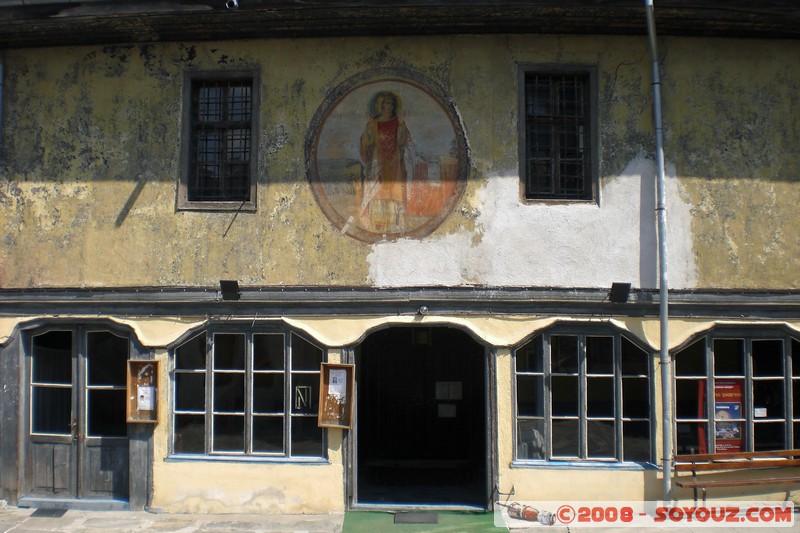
(35, 23)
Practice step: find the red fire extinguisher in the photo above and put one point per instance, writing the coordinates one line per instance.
(529, 514)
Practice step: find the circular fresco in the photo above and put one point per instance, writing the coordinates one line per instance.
(387, 156)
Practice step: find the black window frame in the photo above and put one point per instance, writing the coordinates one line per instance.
(554, 153)
(211, 408)
(81, 347)
(189, 197)
(721, 339)
(583, 417)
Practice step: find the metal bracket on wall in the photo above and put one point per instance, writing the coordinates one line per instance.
(509, 494)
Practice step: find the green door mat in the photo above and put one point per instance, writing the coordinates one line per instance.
(447, 522)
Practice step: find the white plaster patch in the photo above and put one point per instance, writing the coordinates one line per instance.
(551, 245)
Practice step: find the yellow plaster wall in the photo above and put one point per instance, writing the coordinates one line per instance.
(92, 144)
(732, 129)
(229, 487)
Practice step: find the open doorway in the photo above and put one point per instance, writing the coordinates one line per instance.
(422, 419)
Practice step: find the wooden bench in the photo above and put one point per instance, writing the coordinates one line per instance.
(765, 465)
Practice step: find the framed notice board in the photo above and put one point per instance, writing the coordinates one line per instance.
(142, 404)
(336, 396)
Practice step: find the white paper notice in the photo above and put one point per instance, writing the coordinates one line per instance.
(455, 390)
(338, 383)
(146, 399)
(447, 410)
(442, 390)
(448, 390)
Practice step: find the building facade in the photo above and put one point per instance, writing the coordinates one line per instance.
(206, 208)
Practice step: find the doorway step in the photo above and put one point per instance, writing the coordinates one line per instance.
(369, 522)
(73, 504)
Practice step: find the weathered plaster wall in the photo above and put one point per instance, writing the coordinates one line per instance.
(92, 143)
(732, 131)
(583, 245)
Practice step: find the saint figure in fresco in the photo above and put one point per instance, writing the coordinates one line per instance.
(387, 165)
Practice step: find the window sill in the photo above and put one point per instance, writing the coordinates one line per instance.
(239, 206)
(560, 201)
(187, 458)
(583, 465)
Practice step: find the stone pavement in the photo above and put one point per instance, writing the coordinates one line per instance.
(20, 520)
(17, 520)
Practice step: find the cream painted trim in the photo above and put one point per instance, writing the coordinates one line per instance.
(510, 330)
(682, 329)
(493, 330)
(333, 331)
(151, 332)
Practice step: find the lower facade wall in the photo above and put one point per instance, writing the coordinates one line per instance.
(542, 484)
(228, 485)
(219, 488)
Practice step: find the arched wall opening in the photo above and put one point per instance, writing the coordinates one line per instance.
(422, 418)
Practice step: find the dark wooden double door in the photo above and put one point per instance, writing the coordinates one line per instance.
(77, 443)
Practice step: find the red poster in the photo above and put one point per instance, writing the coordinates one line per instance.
(728, 403)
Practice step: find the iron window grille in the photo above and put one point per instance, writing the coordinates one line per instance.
(557, 143)
(582, 397)
(219, 145)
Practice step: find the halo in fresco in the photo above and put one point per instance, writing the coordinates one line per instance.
(387, 156)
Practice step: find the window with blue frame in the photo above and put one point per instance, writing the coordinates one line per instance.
(737, 390)
(582, 396)
(247, 393)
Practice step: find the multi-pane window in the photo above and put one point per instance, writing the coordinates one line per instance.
(219, 144)
(83, 366)
(737, 392)
(247, 393)
(557, 136)
(51, 382)
(582, 396)
(106, 363)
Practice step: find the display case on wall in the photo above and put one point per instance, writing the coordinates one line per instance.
(336, 396)
(142, 404)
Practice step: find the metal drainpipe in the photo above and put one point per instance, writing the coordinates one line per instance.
(2, 103)
(666, 367)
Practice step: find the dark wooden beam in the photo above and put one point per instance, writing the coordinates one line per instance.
(344, 301)
(116, 22)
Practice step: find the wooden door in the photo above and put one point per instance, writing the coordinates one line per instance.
(77, 434)
(52, 461)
